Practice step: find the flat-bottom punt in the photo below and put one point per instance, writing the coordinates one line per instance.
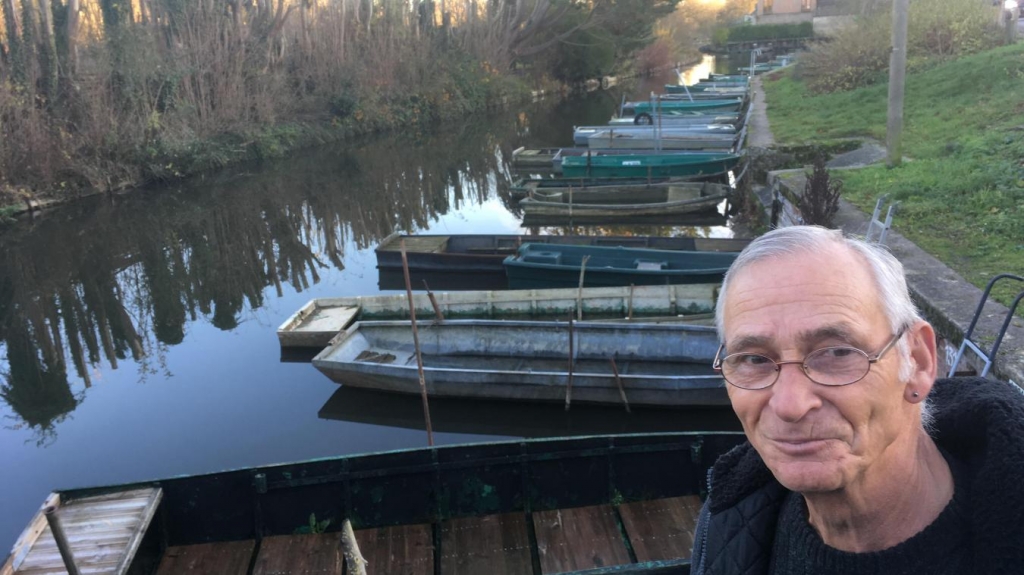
(321, 319)
(588, 506)
(658, 364)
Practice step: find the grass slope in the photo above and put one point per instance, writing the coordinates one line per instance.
(962, 190)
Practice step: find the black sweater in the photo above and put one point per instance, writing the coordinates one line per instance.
(979, 428)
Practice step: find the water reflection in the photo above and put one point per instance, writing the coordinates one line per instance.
(121, 280)
(95, 285)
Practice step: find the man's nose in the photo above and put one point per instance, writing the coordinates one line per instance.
(794, 394)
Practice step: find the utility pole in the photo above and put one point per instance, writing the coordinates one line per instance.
(897, 79)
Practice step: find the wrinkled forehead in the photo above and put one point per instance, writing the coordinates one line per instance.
(802, 291)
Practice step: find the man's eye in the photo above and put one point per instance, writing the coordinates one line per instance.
(750, 359)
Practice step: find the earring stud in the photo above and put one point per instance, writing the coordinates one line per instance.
(916, 394)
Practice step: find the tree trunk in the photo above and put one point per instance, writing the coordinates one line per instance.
(29, 37)
(73, 23)
(14, 40)
(49, 51)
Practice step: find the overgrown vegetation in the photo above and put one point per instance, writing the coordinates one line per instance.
(760, 32)
(858, 55)
(820, 201)
(962, 187)
(104, 94)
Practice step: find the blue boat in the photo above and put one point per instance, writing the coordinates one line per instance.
(550, 266)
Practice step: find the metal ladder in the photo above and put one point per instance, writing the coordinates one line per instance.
(987, 357)
(876, 224)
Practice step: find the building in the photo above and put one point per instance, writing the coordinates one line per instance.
(785, 11)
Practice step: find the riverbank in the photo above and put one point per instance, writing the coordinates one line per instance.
(164, 163)
(961, 190)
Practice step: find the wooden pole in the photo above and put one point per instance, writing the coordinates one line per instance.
(350, 549)
(433, 302)
(61, 539)
(629, 313)
(618, 382)
(416, 345)
(579, 292)
(568, 386)
(897, 81)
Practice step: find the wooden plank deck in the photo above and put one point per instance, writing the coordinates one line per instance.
(420, 244)
(104, 533)
(492, 544)
(311, 554)
(400, 550)
(230, 558)
(579, 538)
(663, 528)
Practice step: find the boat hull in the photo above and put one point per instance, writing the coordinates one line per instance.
(653, 165)
(539, 266)
(528, 361)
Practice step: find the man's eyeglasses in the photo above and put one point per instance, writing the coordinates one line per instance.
(840, 365)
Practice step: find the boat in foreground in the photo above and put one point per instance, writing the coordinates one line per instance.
(656, 365)
(553, 266)
(486, 252)
(588, 506)
(321, 319)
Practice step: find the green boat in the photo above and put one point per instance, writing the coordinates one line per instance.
(595, 505)
(726, 89)
(550, 266)
(608, 164)
(706, 106)
(731, 78)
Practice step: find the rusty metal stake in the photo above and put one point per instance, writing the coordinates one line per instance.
(433, 301)
(579, 293)
(618, 382)
(568, 387)
(416, 345)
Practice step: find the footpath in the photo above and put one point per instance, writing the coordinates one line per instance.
(945, 298)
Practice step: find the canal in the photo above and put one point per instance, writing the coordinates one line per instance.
(137, 332)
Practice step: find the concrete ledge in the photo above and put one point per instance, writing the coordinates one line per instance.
(945, 298)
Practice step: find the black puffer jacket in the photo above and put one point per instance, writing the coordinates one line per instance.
(980, 422)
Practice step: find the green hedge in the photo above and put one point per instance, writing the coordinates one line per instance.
(760, 32)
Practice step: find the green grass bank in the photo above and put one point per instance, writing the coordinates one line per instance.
(962, 186)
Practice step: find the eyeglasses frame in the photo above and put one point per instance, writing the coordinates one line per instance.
(717, 363)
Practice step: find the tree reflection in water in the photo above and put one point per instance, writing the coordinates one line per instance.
(103, 281)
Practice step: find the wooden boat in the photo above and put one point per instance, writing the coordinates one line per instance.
(586, 506)
(613, 164)
(525, 186)
(627, 189)
(486, 252)
(732, 88)
(706, 106)
(540, 158)
(682, 118)
(673, 201)
(512, 419)
(657, 364)
(664, 140)
(581, 134)
(550, 266)
(321, 319)
(729, 78)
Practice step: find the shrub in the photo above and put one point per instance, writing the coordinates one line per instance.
(820, 201)
(858, 55)
(764, 32)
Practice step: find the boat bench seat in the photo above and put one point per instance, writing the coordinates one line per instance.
(553, 258)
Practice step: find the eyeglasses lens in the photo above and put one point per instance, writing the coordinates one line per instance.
(827, 366)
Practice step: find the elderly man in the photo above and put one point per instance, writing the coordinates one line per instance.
(857, 460)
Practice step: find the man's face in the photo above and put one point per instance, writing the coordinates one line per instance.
(815, 438)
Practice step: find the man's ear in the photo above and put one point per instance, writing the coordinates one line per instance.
(924, 358)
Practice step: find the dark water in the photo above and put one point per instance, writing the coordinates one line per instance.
(137, 334)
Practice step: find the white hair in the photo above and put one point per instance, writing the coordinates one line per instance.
(886, 271)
